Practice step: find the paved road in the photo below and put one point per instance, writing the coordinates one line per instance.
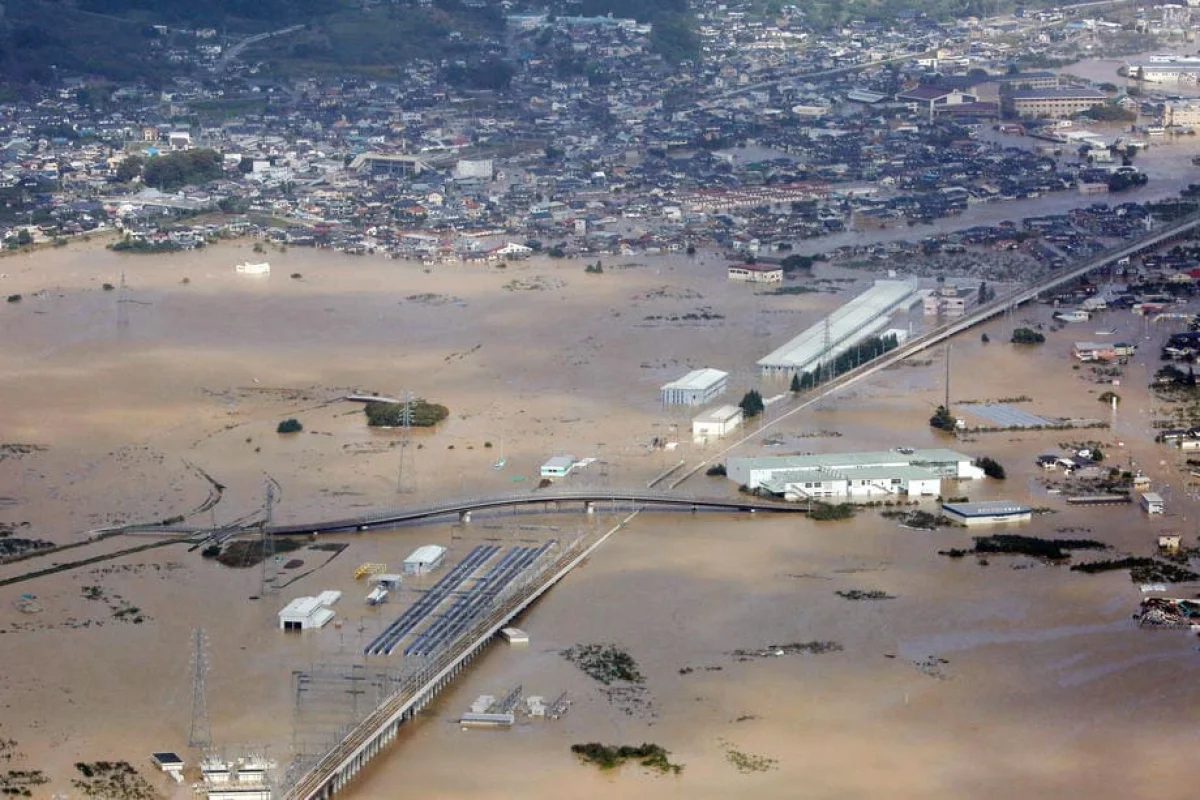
(222, 63)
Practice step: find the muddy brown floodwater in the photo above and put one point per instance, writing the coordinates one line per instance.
(981, 681)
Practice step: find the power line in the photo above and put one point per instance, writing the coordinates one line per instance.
(268, 583)
(200, 732)
(122, 302)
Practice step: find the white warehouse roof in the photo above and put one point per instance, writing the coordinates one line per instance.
(426, 554)
(698, 380)
(301, 607)
(858, 319)
(719, 414)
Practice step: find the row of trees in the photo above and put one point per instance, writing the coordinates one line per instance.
(861, 353)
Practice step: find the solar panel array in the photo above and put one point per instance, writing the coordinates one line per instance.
(386, 642)
(476, 602)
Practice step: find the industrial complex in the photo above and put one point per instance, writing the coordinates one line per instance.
(849, 475)
(865, 316)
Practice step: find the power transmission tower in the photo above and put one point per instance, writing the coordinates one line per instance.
(122, 302)
(200, 733)
(268, 583)
(406, 473)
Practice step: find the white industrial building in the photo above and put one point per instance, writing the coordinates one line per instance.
(696, 388)
(861, 318)
(242, 779)
(308, 613)
(1173, 71)
(914, 472)
(424, 559)
(987, 513)
(715, 424)
(557, 467)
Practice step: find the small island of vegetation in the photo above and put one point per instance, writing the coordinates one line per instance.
(822, 512)
(131, 245)
(421, 414)
(943, 420)
(1014, 544)
(651, 756)
(1027, 336)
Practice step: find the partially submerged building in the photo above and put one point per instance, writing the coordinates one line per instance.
(308, 613)
(852, 475)
(987, 513)
(424, 559)
(696, 388)
(858, 320)
(557, 467)
(756, 273)
(716, 423)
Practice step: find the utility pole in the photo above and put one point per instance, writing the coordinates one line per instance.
(122, 301)
(200, 733)
(267, 578)
(947, 376)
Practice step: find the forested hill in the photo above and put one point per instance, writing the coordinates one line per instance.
(207, 12)
(116, 39)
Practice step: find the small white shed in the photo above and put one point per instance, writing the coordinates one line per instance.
(424, 559)
(558, 467)
(715, 424)
(1152, 503)
(304, 613)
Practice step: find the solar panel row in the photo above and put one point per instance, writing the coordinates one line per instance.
(386, 642)
(475, 603)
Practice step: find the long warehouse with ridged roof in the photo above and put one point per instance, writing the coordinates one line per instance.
(864, 316)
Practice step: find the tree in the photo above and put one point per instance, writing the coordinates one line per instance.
(752, 404)
(991, 467)
(796, 262)
(289, 425)
(943, 420)
(24, 237)
(985, 338)
(130, 168)
(1027, 336)
(174, 170)
(795, 383)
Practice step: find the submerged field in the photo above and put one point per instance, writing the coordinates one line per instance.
(964, 679)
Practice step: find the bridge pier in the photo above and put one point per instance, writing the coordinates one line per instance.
(589, 507)
(464, 516)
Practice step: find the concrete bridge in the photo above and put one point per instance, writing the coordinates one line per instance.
(587, 500)
(334, 771)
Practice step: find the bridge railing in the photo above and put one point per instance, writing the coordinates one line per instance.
(480, 503)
